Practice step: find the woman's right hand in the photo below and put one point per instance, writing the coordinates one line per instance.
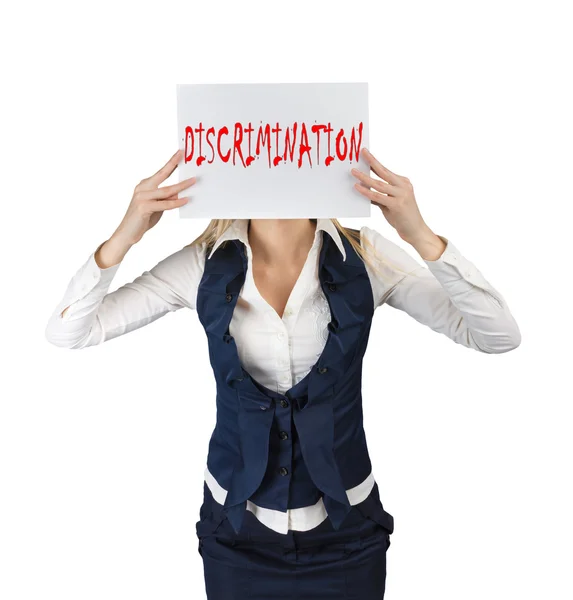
(144, 211)
(149, 201)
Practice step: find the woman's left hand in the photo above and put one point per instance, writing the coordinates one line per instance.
(395, 197)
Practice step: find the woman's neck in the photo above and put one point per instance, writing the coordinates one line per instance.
(280, 241)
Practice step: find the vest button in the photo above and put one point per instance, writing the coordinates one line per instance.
(283, 435)
(283, 471)
(322, 370)
(332, 287)
(284, 403)
(229, 297)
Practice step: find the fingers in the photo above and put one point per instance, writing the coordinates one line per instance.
(167, 191)
(375, 197)
(378, 185)
(169, 204)
(167, 169)
(380, 169)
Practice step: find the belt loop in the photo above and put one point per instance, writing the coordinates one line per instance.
(290, 546)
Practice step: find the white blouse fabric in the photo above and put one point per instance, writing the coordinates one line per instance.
(450, 296)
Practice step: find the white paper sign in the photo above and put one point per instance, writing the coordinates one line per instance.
(272, 150)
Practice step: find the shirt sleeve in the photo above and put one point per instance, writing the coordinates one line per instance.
(95, 315)
(449, 295)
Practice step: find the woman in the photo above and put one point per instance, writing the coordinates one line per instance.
(290, 508)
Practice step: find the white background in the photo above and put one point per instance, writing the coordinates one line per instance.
(102, 450)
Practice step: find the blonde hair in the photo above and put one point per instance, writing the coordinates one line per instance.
(368, 254)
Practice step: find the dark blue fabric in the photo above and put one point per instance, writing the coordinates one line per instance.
(320, 564)
(326, 451)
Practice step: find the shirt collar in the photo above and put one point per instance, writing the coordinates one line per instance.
(238, 230)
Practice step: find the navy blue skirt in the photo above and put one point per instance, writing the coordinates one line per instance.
(321, 563)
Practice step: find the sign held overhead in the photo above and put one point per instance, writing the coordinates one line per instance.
(272, 150)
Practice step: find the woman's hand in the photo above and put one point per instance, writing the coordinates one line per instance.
(149, 201)
(395, 197)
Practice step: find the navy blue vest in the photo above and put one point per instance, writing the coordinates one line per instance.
(325, 452)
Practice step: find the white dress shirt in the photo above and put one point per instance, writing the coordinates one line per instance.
(450, 296)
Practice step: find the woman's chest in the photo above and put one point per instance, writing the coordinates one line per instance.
(279, 351)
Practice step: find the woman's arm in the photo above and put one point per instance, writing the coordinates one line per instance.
(450, 295)
(88, 315)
